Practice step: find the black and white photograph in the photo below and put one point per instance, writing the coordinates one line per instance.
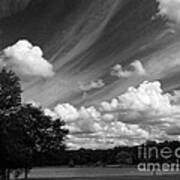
(89, 89)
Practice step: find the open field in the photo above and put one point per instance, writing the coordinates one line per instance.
(118, 178)
(96, 174)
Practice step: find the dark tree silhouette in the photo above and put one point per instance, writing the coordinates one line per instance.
(10, 90)
(10, 101)
(24, 129)
(124, 157)
(41, 134)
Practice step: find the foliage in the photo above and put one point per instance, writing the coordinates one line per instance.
(24, 129)
(124, 157)
(10, 90)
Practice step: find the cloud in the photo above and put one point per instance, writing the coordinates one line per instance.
(118, 71)
(170, 8)
(26, 60)
(144, 104)
(173, 131)
(140, 114)
(148, 95)
(96, 84)
(89, 128)
(67, 112)
(136, 69)
(116, 134)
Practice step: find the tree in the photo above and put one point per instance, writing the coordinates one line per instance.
(10, 90)
(41, 134)
(124, 157)
(25, 130)
(10, 98)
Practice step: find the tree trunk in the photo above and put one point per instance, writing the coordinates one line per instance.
(7, 174)
(3, 171)
(26, 173)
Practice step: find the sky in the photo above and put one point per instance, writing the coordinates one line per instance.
(127, 104)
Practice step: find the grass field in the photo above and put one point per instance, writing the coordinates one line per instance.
(96, 174)
(118, 178)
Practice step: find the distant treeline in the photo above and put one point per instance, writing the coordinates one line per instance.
(149, 152)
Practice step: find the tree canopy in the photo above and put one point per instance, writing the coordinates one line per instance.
(24, 129)
(10, 90)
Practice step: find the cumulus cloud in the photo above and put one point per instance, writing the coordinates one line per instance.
(140, 114)
(96, 84)
(146, 104)
(147, 96)
(170, 8)
(118, 71)
(67, 112)
(90, 128)
(26, 60)
(136, 69)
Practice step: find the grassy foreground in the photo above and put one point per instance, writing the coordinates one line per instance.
(96, 174)
(174, 177)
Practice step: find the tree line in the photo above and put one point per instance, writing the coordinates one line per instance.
(122, 156)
